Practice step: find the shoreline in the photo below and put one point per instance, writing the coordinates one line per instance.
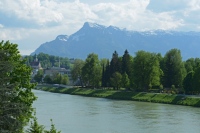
(128, 95)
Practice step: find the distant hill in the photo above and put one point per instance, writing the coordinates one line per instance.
(104, 41)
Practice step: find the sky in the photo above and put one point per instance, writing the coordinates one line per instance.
(29, 23)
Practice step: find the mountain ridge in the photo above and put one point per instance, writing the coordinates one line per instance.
(102, 40)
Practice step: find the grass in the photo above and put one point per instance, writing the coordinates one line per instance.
(128, 95)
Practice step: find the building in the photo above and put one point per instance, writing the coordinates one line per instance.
(55, 70)
(36, 66)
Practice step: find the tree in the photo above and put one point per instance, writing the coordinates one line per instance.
(53, 129)
(146, 70)
(38, 77)
(115, 64)
(64, 79)
(103, 79)
(107, 75)
(77, 70)
(16, 97)
(196, 80)
(174, 70)
(127, 64)
(189, 65)
(47, 79)
(35, 127)
(91, 71)
(125, 81)
(116, 80)
(188, 83)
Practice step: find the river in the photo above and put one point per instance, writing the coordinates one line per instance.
(78, 114)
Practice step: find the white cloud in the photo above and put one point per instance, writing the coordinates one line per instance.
(134, 15)
(54, 17)
(1, 26)
(41, 12)
(194, 4)
(11, 34)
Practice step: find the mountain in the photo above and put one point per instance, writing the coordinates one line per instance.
(102, 40)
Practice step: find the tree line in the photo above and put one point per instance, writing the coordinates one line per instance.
(143, 72)
(55, 78)
(48, 61)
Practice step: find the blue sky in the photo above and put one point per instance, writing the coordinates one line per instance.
(30, 23)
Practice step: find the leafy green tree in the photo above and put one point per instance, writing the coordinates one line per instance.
(116, 80)
(188, 83)
(174, 70)
(47, 79)
(196, 80)
(35, 127)
(125, 81)
(192, 64)
(127, 64)
(38, 77)
(115, 64)
(103, 79)
(146, 70)
(189, 65)
(76, 70)
(107, 75)
(64, 79)
(47, 61)
(16, 97)
(53, 129)
(56, 78)
(91, 71)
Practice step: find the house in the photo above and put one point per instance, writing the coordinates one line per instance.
(62, 71)
(36, 66)
(53, 70)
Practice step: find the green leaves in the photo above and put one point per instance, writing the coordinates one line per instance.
(146, 70)
(91, 71)
(15, 89)
(174, 70)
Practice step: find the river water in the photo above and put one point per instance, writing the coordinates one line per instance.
(77, 114)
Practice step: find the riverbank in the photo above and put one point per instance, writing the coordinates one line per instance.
(128, 95)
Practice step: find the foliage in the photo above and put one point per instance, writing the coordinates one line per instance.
(49, 60)
(196, 80)
(125, 81)
(76, 70)
(38, 77)
(146, 70)
(116, 80)
(127, 95)
(91, 71)
(174, 70)
(188, 83)
(35, 127)
(64, 79)
(127, 64)
(47, 79)
(16, 97)
(56, 78)
(115, 63)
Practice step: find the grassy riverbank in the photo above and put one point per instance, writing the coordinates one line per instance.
(126, 95)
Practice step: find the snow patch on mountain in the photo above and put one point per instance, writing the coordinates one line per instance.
(62, 37)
